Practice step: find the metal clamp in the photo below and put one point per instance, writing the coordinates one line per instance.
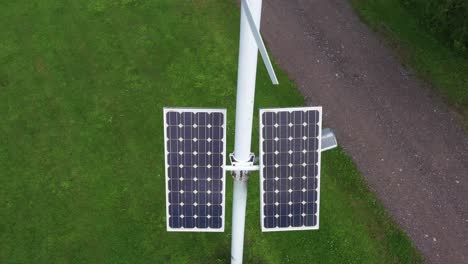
(240, 170)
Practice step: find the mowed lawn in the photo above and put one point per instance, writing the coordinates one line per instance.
(82, 87)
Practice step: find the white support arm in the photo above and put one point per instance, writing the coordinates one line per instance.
(242, 168)
(258, 38)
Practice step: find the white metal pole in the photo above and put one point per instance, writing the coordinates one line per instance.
(247, 70)
(238, 221)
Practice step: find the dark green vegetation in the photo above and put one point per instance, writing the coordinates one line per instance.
(82, 86)
(427, 40)
(449, 19)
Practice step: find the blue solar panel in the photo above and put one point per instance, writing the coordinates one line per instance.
(195, 176)
(290, 168)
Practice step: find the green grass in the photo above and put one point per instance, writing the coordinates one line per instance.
(445, 69)
(82, 87)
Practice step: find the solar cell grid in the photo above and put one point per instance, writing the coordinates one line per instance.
(195, 157)
(290, 168)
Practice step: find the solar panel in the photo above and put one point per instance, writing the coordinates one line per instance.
(195, 176)
(290, 168)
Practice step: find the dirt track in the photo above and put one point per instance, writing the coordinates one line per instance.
(408, 145)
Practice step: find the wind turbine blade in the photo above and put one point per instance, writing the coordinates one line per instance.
(258, 38)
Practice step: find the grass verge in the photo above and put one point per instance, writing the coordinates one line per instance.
(445, 69)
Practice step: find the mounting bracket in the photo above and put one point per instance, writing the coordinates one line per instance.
(240, 170)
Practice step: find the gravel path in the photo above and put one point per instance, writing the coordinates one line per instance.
(407, 143)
